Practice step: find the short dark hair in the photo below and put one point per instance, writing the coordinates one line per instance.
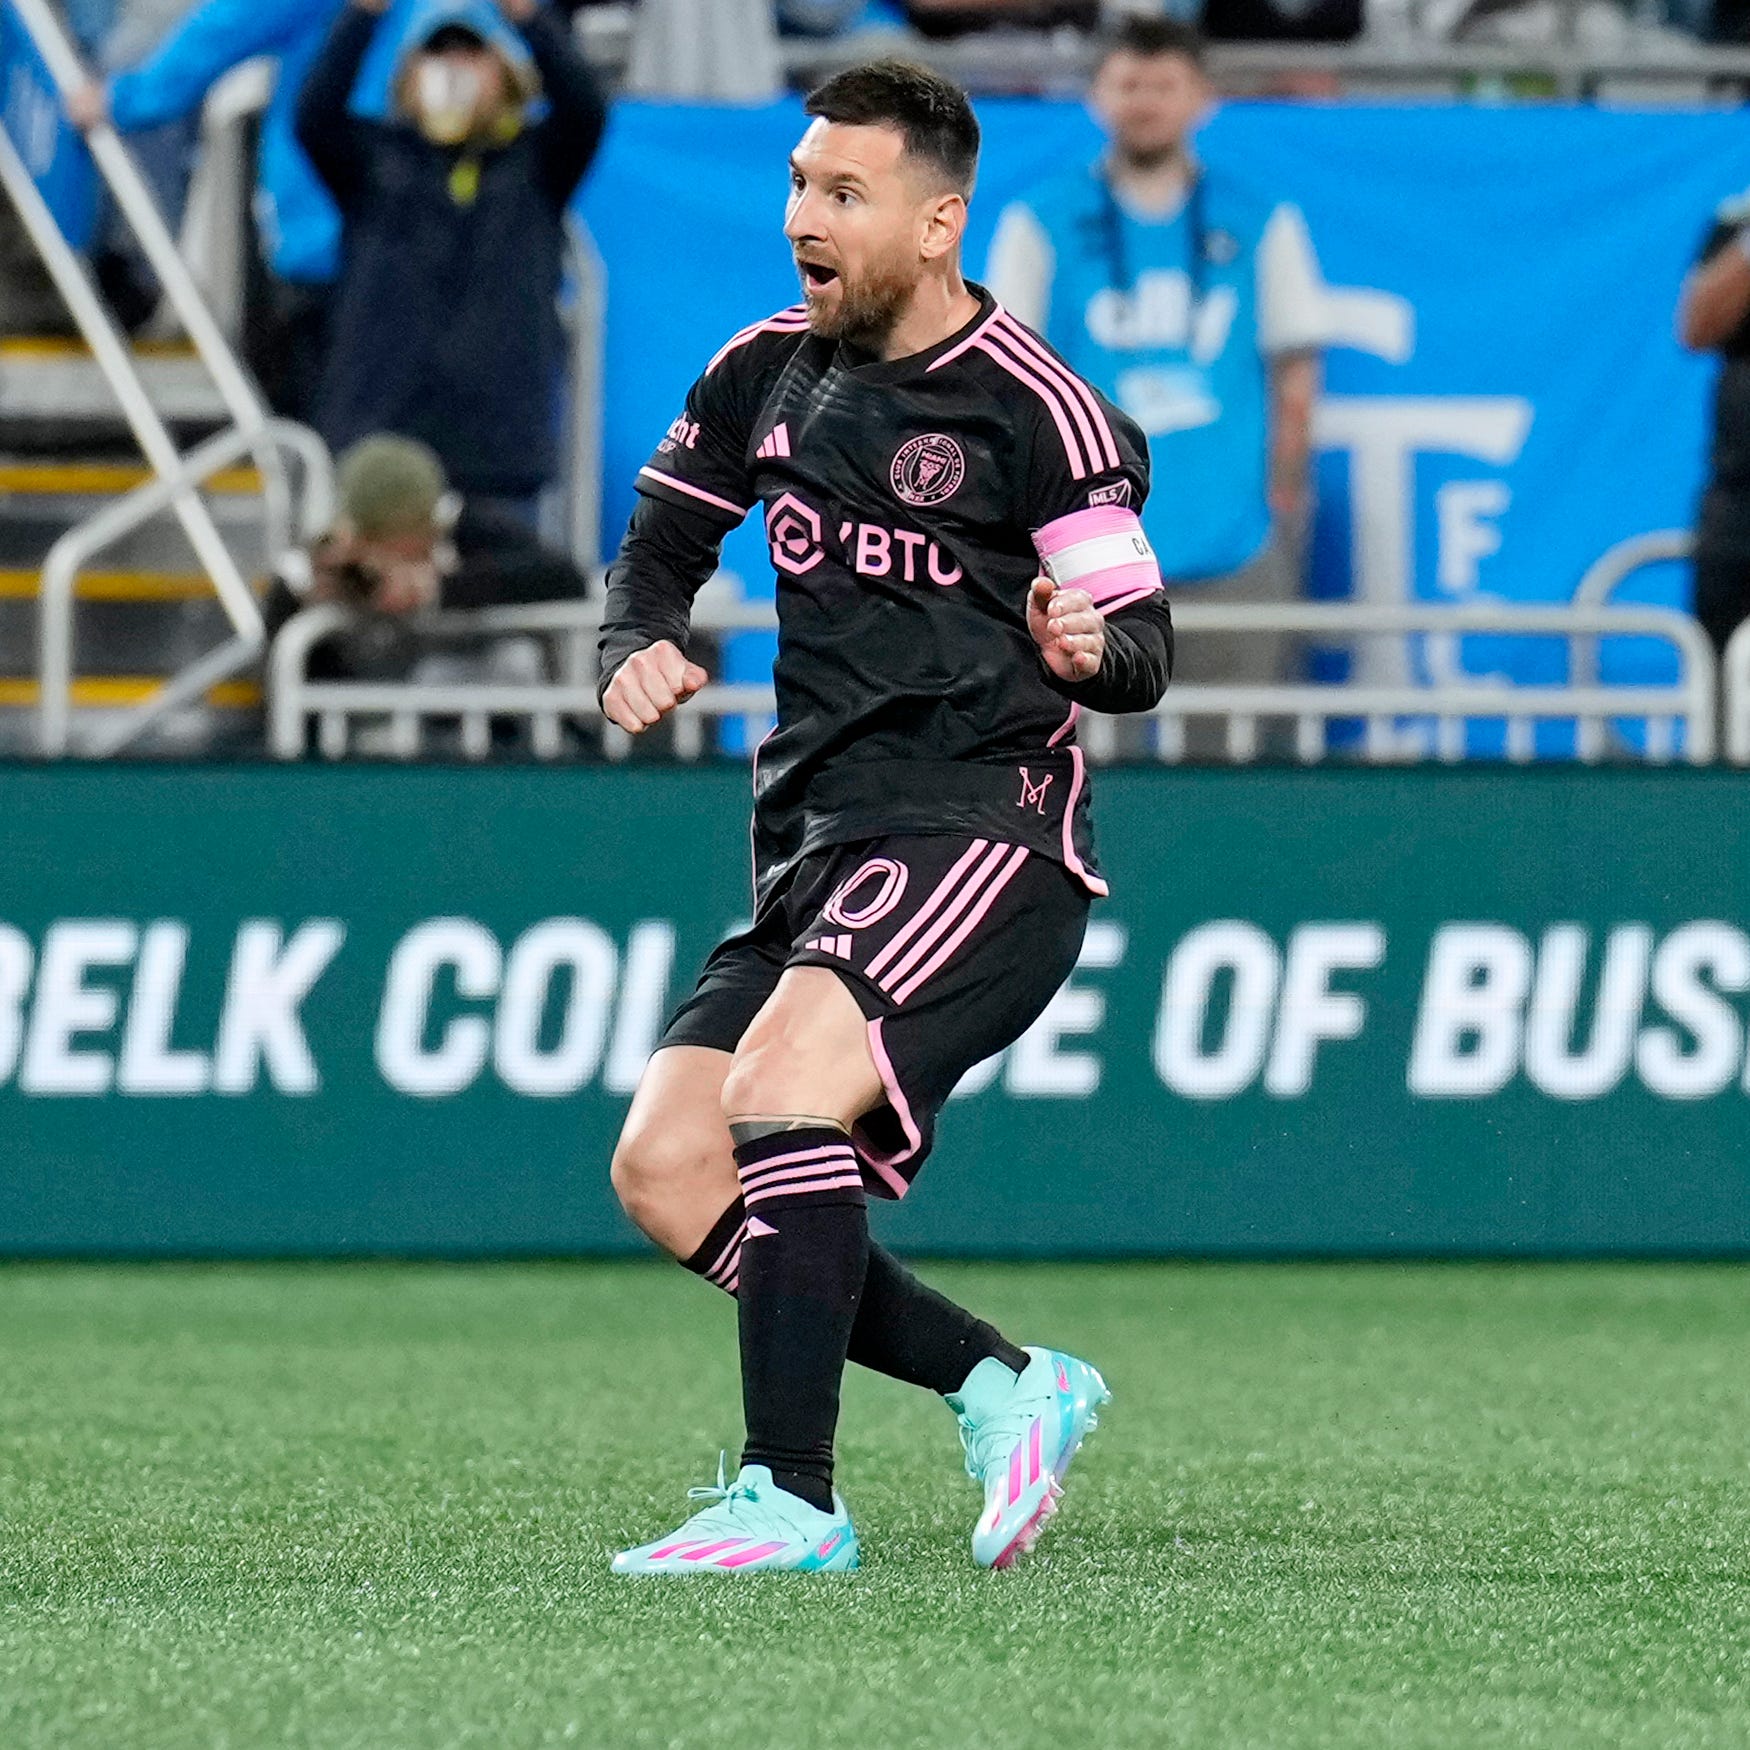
(1149, 37)
(932, 113)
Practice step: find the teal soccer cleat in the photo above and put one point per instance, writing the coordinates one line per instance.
(751, 1527)
(1020, 1435)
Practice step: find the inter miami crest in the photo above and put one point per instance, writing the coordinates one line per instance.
(928, 469)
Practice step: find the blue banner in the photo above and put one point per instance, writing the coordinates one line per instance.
(51, 147)
(1507, 400)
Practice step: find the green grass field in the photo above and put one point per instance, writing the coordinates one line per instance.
(1367, 1506)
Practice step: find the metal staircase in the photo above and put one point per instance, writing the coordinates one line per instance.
(143, 489)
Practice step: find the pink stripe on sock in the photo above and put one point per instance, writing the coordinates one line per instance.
(952, 945)
(1033, 1441)
(728, 1252)
(847, 1182)
(1015, 1475)
(790, 1175)
(748, 1555)
(825, 1151)
(818, 1170)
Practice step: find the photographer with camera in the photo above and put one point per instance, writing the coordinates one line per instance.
(404, 543)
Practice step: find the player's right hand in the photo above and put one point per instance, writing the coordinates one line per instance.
(648, 685)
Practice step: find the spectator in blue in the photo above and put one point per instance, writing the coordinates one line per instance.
(300, 230)
(299, 226)
(446, 324)
(1197, 306)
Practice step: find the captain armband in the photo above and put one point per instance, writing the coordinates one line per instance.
(1102, 551)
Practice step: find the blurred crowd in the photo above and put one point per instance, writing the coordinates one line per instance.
(414, 168)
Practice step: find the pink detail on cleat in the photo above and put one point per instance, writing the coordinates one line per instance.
(669, 1549)
(748, 1555)
(1029, 1533)
(1033, 1440)
(830, 1545)
(1015, 1475)
(707, 1550)
(1062, 1377)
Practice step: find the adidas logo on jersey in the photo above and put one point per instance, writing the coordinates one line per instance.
(777, 442)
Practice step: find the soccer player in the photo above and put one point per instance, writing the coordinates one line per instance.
(952, 515)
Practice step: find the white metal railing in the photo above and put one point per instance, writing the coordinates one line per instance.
(75, 549)
(1595, 590)
(1735, 680)
(258, 437)
(1446, 708)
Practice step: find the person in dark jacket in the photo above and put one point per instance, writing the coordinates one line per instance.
(446, 326)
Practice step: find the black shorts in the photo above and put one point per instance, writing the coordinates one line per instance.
(951, 946)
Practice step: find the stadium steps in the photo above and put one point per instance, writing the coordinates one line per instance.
(149, 610)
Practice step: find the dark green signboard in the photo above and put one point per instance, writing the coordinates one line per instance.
(372, 1010)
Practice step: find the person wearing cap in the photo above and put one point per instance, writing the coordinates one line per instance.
(445, 325)
(402, 542)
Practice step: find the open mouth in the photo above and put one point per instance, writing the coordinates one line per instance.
(816, 275)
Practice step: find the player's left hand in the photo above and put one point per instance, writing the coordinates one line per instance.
(1068, 629)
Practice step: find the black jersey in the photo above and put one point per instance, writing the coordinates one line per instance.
(908, 506)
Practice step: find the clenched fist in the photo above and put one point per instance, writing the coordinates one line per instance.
(648, 685)
(1068, 629)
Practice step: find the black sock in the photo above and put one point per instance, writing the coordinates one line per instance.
(908, 1331)
(903, 1328)
(803, 1259)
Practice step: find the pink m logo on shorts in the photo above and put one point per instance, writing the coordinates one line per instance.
(1033, 795)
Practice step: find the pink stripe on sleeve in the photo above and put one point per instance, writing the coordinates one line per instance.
(1075, 386)
(1072, 447)
(1018, 342)
(736, 510)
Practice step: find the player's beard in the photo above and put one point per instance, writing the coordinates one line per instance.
(868, 307)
